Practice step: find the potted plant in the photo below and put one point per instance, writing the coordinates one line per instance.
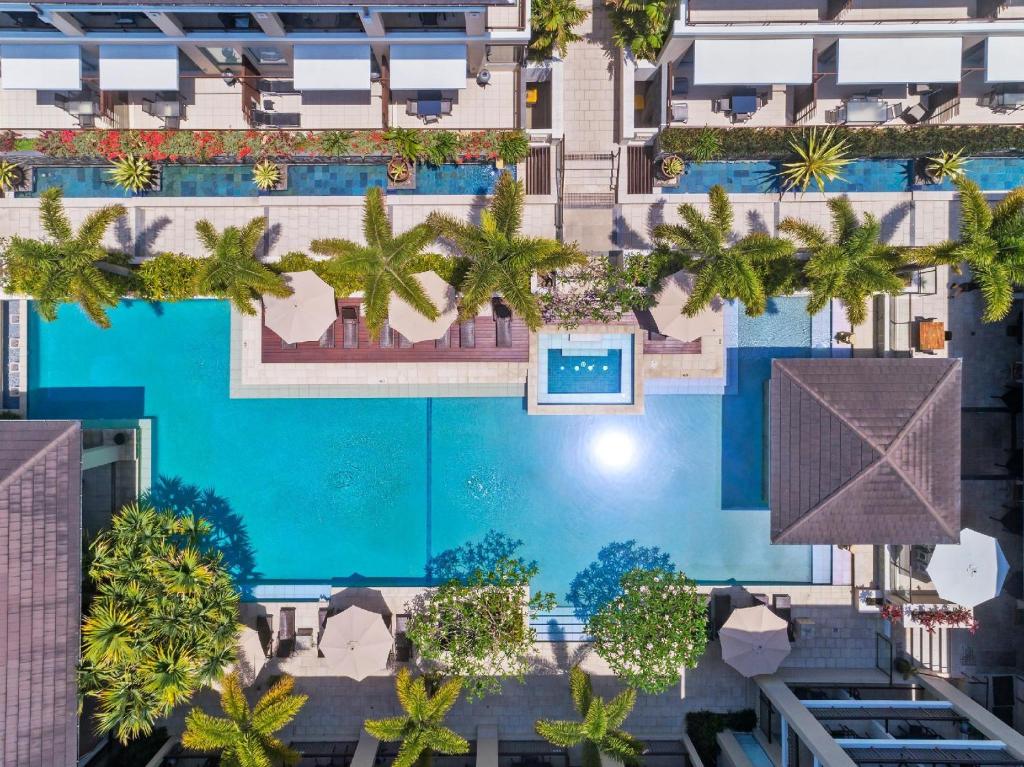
(668, 167)
(12, 176)
(949, 165)
(399, 170)
(269, 176)
(407, 147)
(135, 174)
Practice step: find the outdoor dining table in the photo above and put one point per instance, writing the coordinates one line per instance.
(743, 105)
(165, 108)
(866, 111)
(931, 335)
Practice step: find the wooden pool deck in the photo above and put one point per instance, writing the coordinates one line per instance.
(486, 349)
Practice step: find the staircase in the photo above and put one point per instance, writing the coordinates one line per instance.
(930, 652)
(559, 625)
(589, 179)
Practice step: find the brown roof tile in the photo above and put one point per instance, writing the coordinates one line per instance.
(40, 611)
(864, 451)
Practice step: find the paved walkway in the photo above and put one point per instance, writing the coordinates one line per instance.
(589, 93)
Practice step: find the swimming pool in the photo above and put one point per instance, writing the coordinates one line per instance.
(317, 179)
(374, 489)
(584, 372)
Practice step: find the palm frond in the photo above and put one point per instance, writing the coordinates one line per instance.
(560, 733)
(90, 233)
(207, 733)
(620, 707)
(507, 205)
(581, 689)
(52, 216)
(388, 729)
(376, 227)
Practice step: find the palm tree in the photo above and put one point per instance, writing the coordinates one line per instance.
(421, 729)
(551, 25)
(598, 732)
(991, 243)
(821, 157)
(246, 736)
(500, 258)
(723, 268)
(232, 269)
(385, 265)
(68, 266)
(850, 263)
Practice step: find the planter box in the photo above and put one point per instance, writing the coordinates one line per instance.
(409, 183)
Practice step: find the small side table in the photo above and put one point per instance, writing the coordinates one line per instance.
(931, 335)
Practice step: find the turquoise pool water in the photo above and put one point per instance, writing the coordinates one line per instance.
(584, 373)
(753, 749)
(307, 180)
(348, 490)
(866, 175)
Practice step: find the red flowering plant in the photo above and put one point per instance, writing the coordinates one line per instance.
(932, 618)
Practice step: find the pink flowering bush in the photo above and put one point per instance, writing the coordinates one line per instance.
(655, 627)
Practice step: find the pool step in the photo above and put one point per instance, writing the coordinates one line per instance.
(559, 625)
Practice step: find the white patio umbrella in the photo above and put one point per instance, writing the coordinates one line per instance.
(969, 572)
(408, 321)
(754, 641)
(357, 642)
(668, 316)
(251, 657)
(306, 313)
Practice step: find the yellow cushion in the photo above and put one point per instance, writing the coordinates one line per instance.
(531, 95)
(639, 102)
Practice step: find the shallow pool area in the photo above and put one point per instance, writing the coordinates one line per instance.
(389, 490)
(312, 179)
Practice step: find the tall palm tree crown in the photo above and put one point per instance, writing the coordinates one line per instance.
(68, 266)
(599, 731)
(552, 23)
(849, 263)
(232, 269)
(500, 258)
(723, 267)
(421, 729)
(245, 737)
(991, 243)
(384, 265)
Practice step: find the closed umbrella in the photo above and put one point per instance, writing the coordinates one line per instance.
(754, 641)
(407, 320)
(668, 316)
(969, 572)
(357, 642)
(304, 315)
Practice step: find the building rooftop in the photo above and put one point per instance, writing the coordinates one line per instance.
(40, 613)
(865, 451)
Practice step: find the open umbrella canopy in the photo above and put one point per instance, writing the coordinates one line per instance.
(407, 320)
(969, 572)
(668, 311)
(306, 313)
(357, 642)
(754, 641)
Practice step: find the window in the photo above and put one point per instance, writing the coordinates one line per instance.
(425, 21)
(321, 22)
(22, 20)
(217, 22)
(129, 21)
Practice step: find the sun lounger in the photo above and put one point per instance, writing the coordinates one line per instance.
(760, 599)
(445, 341)
(286, 633)
(387, 337)
(265, 629)
(467, 333)
(503, 324)
(782, 606)
(350, 323)
(403, 645)
(327, 339)
(721, 608)
(286, 345)
(403, 342)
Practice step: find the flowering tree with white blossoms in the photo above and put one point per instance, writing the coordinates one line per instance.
(656, 627)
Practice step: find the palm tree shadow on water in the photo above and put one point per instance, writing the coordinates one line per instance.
(229, 534)
(600, 581)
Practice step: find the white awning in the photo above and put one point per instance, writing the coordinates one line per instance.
(332, 67)
(1004, 59)
(428, 67)
(750, 62)
(897, 60)
(138, 67)
(41, 67)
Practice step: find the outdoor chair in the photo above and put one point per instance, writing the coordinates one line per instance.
(760, 599)
(403, 645)
(265, 630)
(720, 105)
(892, 110)
(445, 341)
(322, 615)
(350, 325)
(680, 85)
(286, 634)
(327, 339)
(680, 111)
(264, 119)
(914, 114)
(387, 338)
(721, 608)
(467, 333)
(403, 342)
(782, 606)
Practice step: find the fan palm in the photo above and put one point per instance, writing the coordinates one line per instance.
(245, 738)
(598, 732)
(232, 269)
(421, 729)
(500, 258)
(850, 263)
(385, 265)
(723, 268)
(551, 26)
(68, 266)
(991, 243)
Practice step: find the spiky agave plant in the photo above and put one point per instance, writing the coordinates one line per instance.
(821, 157)
(133, 173)
(421, 728)
(266, 175)
(406, 143)
(11, 175)
(598, 732)
(951, 165)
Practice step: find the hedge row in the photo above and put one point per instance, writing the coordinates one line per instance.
(919, 141)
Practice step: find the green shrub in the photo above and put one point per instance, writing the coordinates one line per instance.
(513, 147)
(343, 284)
(704, 726)
(24, 144)
(707, 145)
(896, 142)
(169, 277)
(335, 142)
(406, 143)
(441, 146)
(640, 26)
